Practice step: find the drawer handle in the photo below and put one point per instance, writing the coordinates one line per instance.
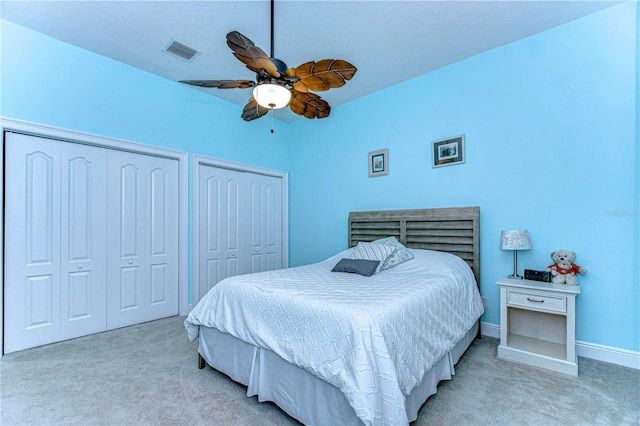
(535, 300)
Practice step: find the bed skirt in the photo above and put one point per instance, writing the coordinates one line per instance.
(300, 394)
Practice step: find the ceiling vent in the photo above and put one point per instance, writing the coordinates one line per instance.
(181, 51)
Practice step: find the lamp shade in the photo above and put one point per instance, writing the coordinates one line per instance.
(272, 96)
(515, 240)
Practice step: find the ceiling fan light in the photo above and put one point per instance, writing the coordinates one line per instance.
(272, 96)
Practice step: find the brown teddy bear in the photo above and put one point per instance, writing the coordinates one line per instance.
(564, 271)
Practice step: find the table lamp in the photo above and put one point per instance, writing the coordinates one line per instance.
(515, 240)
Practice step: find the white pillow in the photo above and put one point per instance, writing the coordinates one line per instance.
(373, 251)
(401, 255)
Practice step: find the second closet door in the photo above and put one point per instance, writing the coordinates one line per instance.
(240, 224)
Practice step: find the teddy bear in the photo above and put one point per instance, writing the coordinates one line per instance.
(564, 271)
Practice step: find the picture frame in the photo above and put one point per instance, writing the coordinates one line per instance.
(448, 152)
(379, 163)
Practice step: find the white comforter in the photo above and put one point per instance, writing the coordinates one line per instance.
(371, 337)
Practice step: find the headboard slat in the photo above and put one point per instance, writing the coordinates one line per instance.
(444, 232)
(454, 230)
(363, 224)
(442, 247)
(440, 239)
(440, 224)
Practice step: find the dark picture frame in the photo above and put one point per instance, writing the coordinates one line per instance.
(448, 152)
(379, 163)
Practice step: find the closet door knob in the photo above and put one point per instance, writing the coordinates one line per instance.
(80, 266)
(131, 262)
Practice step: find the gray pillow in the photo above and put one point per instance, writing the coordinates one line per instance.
(372, 251)
(401, 255)
(362, 267)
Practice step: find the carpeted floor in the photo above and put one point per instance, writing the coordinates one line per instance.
(147, 375)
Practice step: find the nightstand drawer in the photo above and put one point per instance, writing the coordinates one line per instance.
(535, 301)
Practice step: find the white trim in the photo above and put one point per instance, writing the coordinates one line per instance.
(490, 330)
(609, 354)
(29, 128)
(232, 165)
(20, 126)
(1, 241)
(196, 161)
(618, 356)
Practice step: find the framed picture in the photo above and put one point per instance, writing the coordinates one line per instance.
(379, 163)
(447, 152)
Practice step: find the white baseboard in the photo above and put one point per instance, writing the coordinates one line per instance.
(491, 330)
(609, 354)
(623, 357)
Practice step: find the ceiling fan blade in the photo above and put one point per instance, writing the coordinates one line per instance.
(222, 84)
(322, 75)
(309, 105)
(251, 55)
(253, 110)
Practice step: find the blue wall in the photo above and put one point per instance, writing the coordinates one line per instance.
(53, 83)
(550, 127)
(552, 116)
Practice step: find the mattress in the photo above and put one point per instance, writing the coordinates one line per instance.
(373, 338)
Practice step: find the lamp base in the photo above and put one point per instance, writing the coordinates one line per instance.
(515, 275)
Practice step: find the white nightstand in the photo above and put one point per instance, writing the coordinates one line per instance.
(538, 324)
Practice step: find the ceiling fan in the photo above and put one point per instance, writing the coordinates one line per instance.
(277, 86)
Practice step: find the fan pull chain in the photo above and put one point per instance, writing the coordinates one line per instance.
(271, 113)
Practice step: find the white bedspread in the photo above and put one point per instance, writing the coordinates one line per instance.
(371, 337)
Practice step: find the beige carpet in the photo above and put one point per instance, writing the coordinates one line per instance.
(147, 375)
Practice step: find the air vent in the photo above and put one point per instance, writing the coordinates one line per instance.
(181, 51)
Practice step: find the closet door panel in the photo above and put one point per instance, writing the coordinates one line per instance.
(32, 230)
(266, 222)
(162, 244)
(273, 224)
(211, 270)
(232, 244)
(255, 219)
(82, 240)
(220, 247)
(125, 240)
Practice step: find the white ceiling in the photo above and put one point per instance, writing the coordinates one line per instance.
(388, 41)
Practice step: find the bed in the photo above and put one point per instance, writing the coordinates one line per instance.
(336, 348)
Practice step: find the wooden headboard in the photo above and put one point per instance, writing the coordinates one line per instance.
(454, 230)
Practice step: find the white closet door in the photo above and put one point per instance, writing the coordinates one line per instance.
(266, 222)
(142, 238)
(82, 239)
(54, 259)
(32, 231)
(220, 241)
(239, 224)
